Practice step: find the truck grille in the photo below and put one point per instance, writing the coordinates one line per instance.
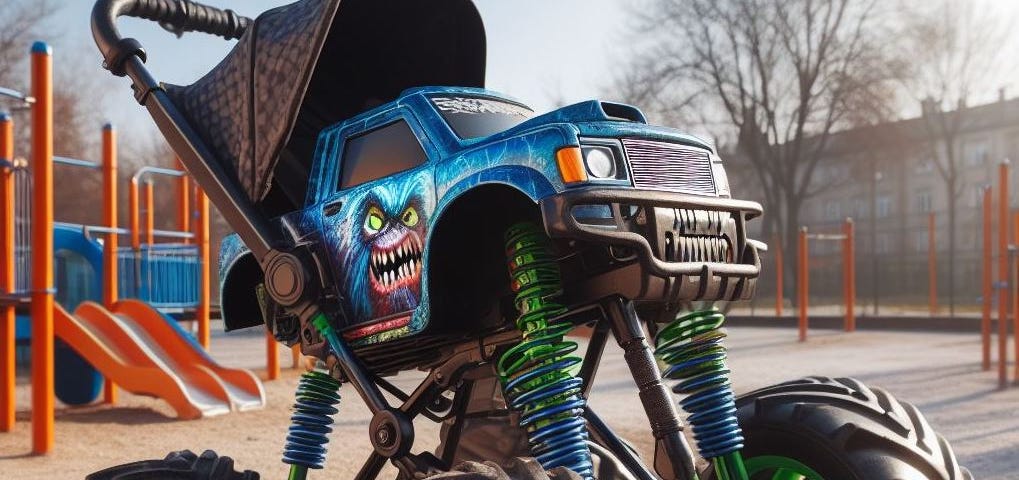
(669, 166)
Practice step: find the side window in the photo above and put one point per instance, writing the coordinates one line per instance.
(379, 153)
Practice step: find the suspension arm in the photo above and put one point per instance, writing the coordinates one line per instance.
(674, 459)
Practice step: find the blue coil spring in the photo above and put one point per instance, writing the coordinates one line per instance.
(535, 373)
(316, 397)
(692, 348)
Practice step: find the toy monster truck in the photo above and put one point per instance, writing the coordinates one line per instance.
(378, 218)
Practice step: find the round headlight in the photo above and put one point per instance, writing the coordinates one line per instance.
(600, 163)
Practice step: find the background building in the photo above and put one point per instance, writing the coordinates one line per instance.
(885, 177)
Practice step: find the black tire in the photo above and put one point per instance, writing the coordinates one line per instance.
(844, 430)
(182, 465)
(519, 468)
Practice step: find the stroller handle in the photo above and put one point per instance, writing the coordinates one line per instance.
(177, 16)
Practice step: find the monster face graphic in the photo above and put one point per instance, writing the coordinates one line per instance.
(395, 262)
(382, 243)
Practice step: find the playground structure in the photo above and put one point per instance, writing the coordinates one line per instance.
(846, 240)
(122, 333)
(999, 285)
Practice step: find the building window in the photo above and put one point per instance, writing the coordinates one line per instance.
(832, 210)
(977, 153)
(884, 206)
(924, 201)
(860, 208)
(924, 166)
(922, 242)
(882, 244)
(978, 196)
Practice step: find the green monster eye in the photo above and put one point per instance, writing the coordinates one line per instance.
(374, 222)
(409, 217)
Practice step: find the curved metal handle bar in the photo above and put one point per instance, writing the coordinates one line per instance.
(177, 16)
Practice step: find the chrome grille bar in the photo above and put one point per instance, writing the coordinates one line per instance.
(672, 167)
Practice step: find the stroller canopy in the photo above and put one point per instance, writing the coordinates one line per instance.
(302, 67)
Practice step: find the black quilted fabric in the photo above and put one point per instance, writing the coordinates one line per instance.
(244, 111)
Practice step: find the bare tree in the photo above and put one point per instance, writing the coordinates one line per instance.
(953, 50)
(21, 21)
(777, 77)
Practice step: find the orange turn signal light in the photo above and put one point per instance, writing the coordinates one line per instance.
(571, 164)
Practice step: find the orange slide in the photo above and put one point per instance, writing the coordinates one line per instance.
(144, 353)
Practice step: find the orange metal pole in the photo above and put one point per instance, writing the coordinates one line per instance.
(42, 249)
(150, 213)
(779, 275)
(204, 282)
(295, 352)
(110, 288)
(183, 202)
(985, 321)
(1003, 296)
(272, 357)
(803, 278)
(133, 216)
(7, 314)
(932, 265)
(849, 273)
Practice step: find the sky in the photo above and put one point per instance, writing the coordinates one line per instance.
(539, 51)
(542, 52)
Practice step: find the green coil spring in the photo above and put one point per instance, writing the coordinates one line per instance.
(535, 374)
(692, 348)
(316, 397)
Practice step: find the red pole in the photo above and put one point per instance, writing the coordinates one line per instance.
(204, 282)
(42, 249)
(849, 273)
(779, 275)
(1003, 273)
(802, 287)
(110, 245)
(932, 265)
(7, 314)
(985, 321)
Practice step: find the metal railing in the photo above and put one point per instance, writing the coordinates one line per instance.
(22, 228)
(164, 275)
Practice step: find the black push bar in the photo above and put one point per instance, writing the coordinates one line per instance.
(125, 56)
(177, 16)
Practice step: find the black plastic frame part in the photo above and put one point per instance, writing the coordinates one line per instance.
(560, 223)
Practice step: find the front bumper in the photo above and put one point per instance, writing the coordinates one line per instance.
(684, 247)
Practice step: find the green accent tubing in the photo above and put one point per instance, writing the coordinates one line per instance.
(298, 472)
(730, 467)
(782, 468)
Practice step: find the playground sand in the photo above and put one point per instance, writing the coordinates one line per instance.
(939, 372)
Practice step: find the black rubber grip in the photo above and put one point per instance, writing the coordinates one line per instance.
(188, 16)
(177, 16)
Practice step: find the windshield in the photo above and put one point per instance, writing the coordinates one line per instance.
(475, 117)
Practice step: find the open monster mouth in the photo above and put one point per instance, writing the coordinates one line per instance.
(397, 265)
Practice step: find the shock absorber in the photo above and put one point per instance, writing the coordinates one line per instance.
(692, 348)
(535, 373)
(316, 399)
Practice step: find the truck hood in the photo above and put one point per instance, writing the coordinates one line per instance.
(602, 119)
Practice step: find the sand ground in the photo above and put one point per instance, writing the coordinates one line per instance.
(939, 372)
